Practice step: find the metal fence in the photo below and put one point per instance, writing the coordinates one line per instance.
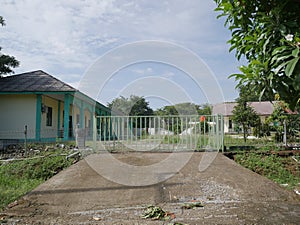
(11, 138)
(161, 133)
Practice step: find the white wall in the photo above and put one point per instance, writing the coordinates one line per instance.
(16, 111)
(49, 131)
(226, 124)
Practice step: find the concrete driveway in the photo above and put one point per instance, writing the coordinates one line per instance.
(230, 194)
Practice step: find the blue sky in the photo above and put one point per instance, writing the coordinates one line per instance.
(65, 38)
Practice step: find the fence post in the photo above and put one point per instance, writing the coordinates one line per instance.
(25, 142)
(95, 132)
(221, 131)
(284, 133)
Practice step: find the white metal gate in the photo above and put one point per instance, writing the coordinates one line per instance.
(159, 133)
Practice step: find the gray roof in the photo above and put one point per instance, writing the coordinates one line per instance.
(261, 108)
(35, 81)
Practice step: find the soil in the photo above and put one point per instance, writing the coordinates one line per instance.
(230, 194)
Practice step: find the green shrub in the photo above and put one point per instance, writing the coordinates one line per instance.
(271, 166)
(19, 177)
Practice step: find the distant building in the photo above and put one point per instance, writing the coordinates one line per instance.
(48, 107)
(263, 109)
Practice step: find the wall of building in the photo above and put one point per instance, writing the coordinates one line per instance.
(72, 113)
(226, 124)
(87, 119)
(230, 129)
(16, 112)
(76, 116)
(49, 123)
(229, 125)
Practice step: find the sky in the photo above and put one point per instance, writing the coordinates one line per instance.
(68, 38)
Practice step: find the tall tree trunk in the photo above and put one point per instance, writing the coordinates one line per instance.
(245, 133)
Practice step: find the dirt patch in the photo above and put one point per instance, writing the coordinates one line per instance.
(230, 194)
(140, 159)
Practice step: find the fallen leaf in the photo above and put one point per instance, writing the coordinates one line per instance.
(192, 205)
(13, 204)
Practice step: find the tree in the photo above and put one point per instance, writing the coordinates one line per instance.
(6, 62)
(179, 124)
(186, 108)
(249, 94)
(245, 116)
(266, 34)
(133, 106)
(205, 109)
(283, 116)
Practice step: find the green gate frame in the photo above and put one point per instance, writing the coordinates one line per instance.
(159, 133)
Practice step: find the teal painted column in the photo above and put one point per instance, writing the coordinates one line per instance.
(94, 130)
(38, 117)
(81, 115)
(58, 118)
(98, 114)
(66, 116)
(93, 125)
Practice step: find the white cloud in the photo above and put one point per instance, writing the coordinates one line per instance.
(65, 37)
(168, 74)
(142, 71)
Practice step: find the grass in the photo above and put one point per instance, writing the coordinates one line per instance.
(238, 140)
(19, 177)
(281, 170)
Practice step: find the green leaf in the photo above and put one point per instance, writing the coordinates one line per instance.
(279, 50)
(282, 29)
(265, 44)
(278, 69)
(296, 82)
(261, 93)
(291, 66)
(255, 62)
(237, 76)
(281, 58)
(295, 52)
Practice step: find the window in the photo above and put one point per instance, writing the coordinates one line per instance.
(230, 124)
(49, 117)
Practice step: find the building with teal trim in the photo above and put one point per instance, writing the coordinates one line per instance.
(46, 107)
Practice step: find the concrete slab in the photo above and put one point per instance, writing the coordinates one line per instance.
(230, 194)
